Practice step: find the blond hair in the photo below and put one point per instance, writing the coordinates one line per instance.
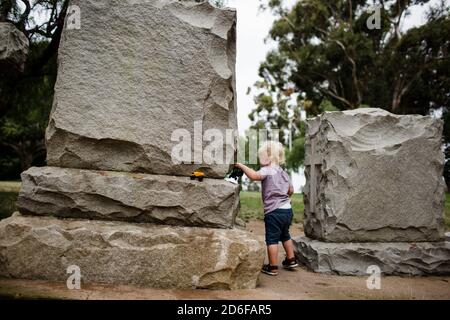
(273, 151)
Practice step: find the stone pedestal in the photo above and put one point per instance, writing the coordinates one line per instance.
(374, 177)
(393, 258)
(135, 81)
(125, 253)
(132, 197)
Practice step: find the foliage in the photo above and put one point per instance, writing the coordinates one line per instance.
(294, 157)
(326, 51)
(447, 211)
(446, 117)
(26, 95)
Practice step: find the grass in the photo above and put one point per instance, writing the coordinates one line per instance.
(10, 186)
(251, 206)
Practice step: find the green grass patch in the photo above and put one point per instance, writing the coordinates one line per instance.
(252, 206)
(10, 186)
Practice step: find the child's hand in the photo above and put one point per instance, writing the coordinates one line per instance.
(290, 191)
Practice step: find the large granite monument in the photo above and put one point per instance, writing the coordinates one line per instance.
(112, 201)
(374, 194)
(135, 72)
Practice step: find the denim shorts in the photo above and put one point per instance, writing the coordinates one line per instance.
(277, 224)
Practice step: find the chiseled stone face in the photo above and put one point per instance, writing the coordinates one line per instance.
(133, 73)
(132, 197)
(126, 253)
(392, 258)
(374, 176)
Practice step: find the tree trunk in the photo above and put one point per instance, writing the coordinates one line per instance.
(26, 160)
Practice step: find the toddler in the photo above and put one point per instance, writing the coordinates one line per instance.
(276, 192)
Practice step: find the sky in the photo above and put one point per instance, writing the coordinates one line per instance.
(252, 28)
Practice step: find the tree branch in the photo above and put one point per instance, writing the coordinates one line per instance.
(354, 71)
(337, 97)
(52, 48)
(24, 17)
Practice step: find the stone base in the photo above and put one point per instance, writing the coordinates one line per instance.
(125, 253)
(131, 197)
(393, 258)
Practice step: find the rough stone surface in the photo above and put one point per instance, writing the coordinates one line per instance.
(135, 72)
(374, 176)
(125, 253)
(14, 47)
(108, 195)
(394, 258)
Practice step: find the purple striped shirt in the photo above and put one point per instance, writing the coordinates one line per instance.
(275, 186)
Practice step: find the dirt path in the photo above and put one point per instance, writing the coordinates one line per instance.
(298, 284)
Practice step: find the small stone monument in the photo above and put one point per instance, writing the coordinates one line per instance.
(112, 201)
(374, 194)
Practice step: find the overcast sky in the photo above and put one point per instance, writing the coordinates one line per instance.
(253, 28)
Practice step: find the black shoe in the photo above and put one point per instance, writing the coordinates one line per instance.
(290, 263)
(270, 270)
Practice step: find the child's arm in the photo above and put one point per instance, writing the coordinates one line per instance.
(250, 173)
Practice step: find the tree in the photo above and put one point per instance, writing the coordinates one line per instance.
(327, 50)
(26, 96)
(22, 127)
(219, 3)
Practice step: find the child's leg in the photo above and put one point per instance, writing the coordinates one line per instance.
(273, 232)
(272, 253)
(288, 245)
(289, 248)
